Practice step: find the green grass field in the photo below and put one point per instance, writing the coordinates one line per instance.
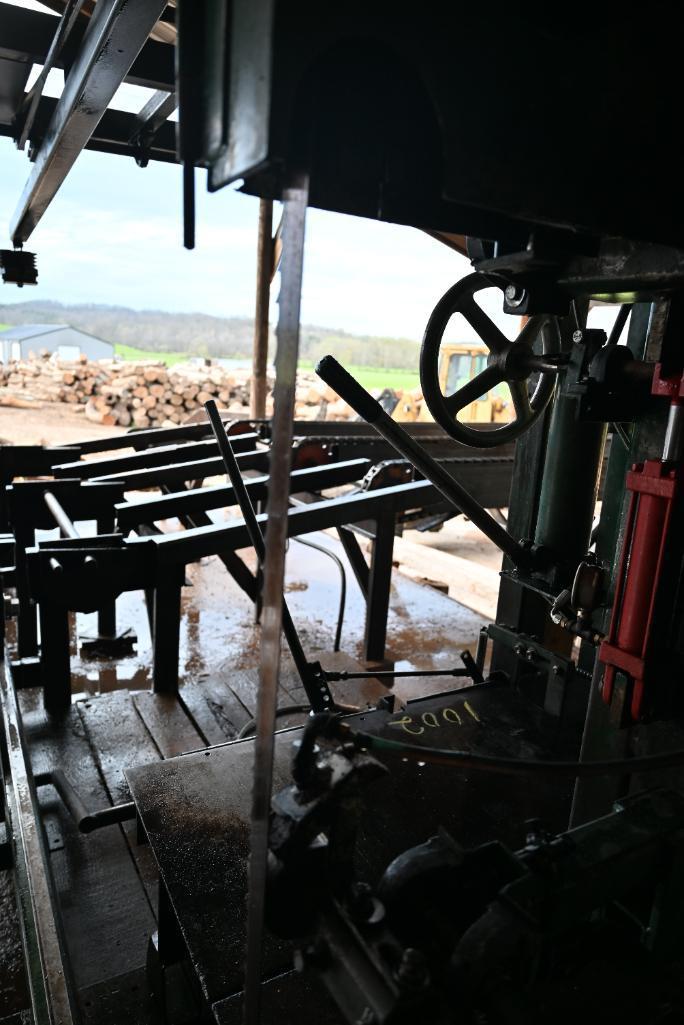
(378, 377)
(369, 377)
(130, 352)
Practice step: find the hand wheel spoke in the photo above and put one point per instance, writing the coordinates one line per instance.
(530, 331)
(521, 400)
(473, 389)
(485, 327)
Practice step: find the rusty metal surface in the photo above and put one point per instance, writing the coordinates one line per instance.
(195, 810)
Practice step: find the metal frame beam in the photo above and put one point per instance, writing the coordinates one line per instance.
(25, 36)
(151, 118)
(112, 134)
(117, 33)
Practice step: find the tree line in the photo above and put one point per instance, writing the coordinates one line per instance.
(204, 335)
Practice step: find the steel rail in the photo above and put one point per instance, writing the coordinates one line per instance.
(221, 496)
(49, 983)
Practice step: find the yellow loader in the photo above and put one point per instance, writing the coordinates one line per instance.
(459, 363)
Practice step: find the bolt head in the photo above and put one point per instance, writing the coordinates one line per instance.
(514, 295)
(577, 337)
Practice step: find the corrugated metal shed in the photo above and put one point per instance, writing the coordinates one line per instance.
(68, 342)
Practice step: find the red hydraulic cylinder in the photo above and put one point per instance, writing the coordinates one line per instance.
(654, 485)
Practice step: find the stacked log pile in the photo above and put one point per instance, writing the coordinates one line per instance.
(148, 393)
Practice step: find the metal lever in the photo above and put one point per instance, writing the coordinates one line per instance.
(310, 673)
(60, 517)
(330, 371)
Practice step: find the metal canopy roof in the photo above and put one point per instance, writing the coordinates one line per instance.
(22, 332)
(104, 45)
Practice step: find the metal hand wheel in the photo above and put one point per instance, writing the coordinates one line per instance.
(512, 362)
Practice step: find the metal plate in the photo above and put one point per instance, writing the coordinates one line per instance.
(195, 810)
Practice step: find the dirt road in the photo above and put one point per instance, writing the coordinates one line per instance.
(57, 423)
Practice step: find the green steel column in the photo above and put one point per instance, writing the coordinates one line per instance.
(572, 472)
(603, 736)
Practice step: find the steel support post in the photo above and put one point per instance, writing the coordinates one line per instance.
(106, 616)
(294, 218)
(352, 549)
(27, 619)
(55, 657)
(380, 579)
(166, 636)
(263, 294)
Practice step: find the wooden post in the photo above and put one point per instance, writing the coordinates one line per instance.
(263, 291)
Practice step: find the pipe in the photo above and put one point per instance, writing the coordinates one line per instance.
(86, 821)
(60, 517)
(263, 294)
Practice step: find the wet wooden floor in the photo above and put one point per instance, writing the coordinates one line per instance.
(106, 881)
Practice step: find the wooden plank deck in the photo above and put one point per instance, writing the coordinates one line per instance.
(106, 915)
(106, 882)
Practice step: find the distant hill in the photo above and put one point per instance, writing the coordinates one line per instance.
(203, 335)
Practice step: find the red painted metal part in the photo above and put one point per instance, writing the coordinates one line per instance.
(654, 485)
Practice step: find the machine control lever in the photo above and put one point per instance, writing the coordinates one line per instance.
(330, 371)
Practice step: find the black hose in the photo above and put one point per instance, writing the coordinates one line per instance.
(249, 726)
(520, 766)
(343, 585)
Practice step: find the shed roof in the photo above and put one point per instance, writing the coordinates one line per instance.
(21, 332)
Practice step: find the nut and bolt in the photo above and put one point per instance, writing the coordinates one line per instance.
(412, 971)
(530, 654)
(577, 337)
(314, 955)
(519, 649)
(515, 295)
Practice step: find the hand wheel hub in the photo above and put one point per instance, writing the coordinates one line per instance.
(509, 362)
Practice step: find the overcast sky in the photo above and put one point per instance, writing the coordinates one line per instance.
(113, 235)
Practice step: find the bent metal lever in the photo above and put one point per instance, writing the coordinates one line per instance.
(330, 371)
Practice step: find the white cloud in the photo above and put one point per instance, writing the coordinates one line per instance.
(113, 235)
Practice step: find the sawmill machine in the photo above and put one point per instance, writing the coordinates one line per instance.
(509, 852)
(524, 140)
